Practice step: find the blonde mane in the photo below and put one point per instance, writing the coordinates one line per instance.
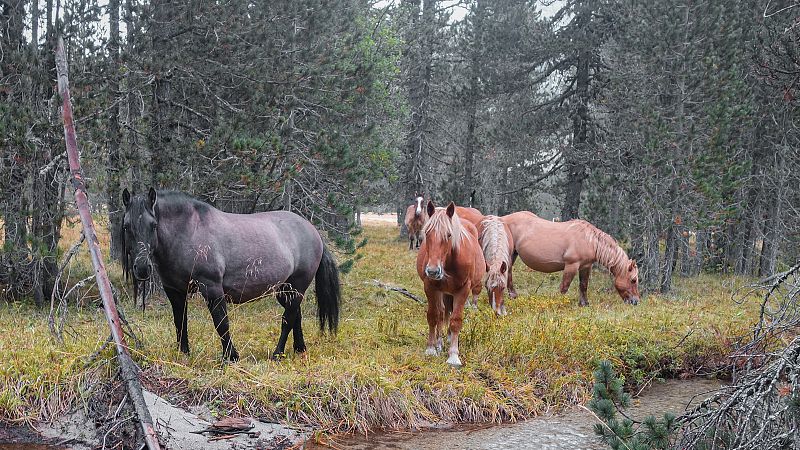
(607, 251)
(445, 226)
(494, 242)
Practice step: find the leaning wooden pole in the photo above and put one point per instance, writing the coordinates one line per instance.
(130, 372)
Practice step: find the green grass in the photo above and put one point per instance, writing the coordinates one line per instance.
(374, 373)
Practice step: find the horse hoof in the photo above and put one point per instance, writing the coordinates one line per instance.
(430, 351)
(454, 361)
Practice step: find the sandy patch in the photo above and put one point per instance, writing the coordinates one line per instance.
(388, 219)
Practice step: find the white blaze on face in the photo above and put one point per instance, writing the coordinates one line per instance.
(419, 205)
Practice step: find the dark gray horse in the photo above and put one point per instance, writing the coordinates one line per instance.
(228, 257)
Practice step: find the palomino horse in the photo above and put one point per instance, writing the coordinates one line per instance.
(415, 219)
(573, 247)
(229, 257)
(451, 266)
(498, 248)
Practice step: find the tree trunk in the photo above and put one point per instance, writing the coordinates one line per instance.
(160, 121)
(114, 168)
(700, 246)
(575, 159)
(418, 56)
(669, 259)
(773, 228)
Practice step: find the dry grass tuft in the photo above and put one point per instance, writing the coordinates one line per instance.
(373, 373)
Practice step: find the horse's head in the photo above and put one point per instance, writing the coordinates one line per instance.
(140, 233)
(418, 205)
(442, 234)
(626, 282)
(496, 286)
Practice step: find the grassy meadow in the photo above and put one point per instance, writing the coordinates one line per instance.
(374, 373)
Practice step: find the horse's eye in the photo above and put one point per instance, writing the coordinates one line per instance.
(449, 235)
(633, 280)
(153, 226)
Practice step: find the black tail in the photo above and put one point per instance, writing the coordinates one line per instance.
(328, 291)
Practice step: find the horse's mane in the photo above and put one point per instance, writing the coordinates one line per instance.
(172, 201)
(494, 242)
(442, 225)
(607, 250)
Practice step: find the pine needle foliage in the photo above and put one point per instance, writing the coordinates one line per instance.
(608, 398)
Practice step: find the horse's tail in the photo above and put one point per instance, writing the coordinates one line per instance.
(328, 291)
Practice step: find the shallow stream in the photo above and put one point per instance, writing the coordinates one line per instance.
(570, 430)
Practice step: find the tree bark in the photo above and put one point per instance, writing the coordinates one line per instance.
(418, 56)
(114, 168)
(575, 159)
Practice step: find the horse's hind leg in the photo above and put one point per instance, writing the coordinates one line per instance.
(583, 275)
(215, 299)
(291, 308)
(178, 300)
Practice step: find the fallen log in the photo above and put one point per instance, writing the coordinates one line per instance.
(398, 289)
(128, 369)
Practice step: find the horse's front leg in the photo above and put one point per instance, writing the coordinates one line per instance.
(570, 270)
(178, 300)
(435, 314)
(512, 293)
(456, 322)
(215, 299)
(583, 276)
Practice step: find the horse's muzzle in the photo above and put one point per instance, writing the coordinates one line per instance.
(434, 273)
(633, 300)
(142, 272)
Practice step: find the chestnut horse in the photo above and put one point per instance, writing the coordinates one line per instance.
(498, 248)
(451, 266)
(415, 219)
(573, 247)
(474, 217)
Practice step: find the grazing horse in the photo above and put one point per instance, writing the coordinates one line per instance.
(498, 248)
(415, 219)
(229, 257)
(451, 266)
(573, 247)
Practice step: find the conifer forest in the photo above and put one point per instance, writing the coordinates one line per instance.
(670, 125)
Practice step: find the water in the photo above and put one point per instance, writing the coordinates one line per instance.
(570, 430)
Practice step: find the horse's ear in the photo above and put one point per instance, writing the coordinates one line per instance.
(152, 198)
(431, 208)
(632, 265)
(451, 209)
(126, 197)
(503, 267)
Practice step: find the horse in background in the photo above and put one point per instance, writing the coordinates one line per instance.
(451, 266)
(573, 247)
(229, 258)
(498, 248)
(416, 216)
